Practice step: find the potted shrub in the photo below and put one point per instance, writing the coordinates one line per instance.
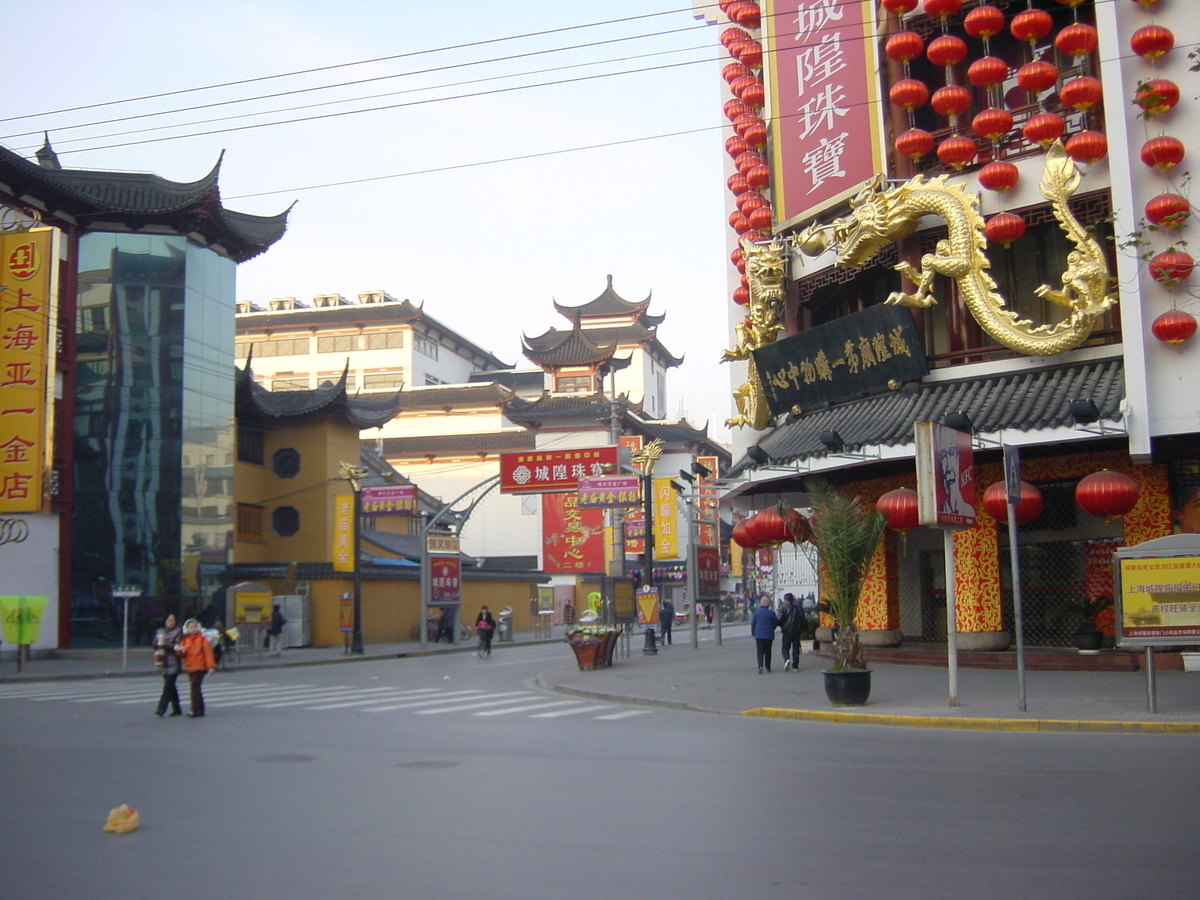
(592, 645)
(845, 532)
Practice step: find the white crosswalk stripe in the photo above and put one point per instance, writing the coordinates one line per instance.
(227, 694)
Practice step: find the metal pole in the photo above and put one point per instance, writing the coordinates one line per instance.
(648, 542)
(423, 612)
(1151, 688)
(717, 541)
(951, 619)
(1018, 615)
(356, 637)
(693, 580)
(125, 637)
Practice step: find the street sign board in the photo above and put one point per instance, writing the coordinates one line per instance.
(441, 543)
(389, 500)
(551, 471)
(604, 491)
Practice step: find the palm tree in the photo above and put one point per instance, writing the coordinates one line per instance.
(846, 533)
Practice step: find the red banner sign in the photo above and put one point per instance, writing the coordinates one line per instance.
(546, 471)
(389, 500)
(445, 580)
(572, 538)
(708, 572)
(609, 491)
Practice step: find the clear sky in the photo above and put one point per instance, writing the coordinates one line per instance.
(479, 185)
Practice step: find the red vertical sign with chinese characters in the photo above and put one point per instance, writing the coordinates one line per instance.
(572, 538)
(25, 267)
(824, 101)
(445, 580)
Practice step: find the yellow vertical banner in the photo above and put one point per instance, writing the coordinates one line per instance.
(25, 267)
(666, 537)
(343, 534)
(735, 559)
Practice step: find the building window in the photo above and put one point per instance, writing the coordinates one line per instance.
(285, 520)
(338, 343)
(249, 522)
(383, 381)
(290, 381)
(574, 384)
(387, 340)
(285, 463)
(250, 444)
(425, 347)
(278, 347)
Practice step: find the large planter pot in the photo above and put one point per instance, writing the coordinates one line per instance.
(587, 653)
(850, 687)
(1089, 642)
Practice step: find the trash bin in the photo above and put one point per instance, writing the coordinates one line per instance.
(504, 628)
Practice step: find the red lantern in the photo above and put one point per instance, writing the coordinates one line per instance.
(737, 257)
(995, 501)
(761, 218)
(743, 122)
(754, 95)
(741, 296)
(904, 46)
(1043, 129)
(799, 531)
(899, 508)
(749, 53)
(899, 7)
(1004, 228)
(1157, 96)
(739, 222)
(759, 177)
(754, 237)
(737, 184)
(731, 36)
(747, 161)
(734, 108)
(735, 145)
(951, 100)
(993, 123)
(983, 22)
(1087, 146)
(947, 50)
(1152, 41)
(750, 201)
(999, 176)
(957, 151)
(914, 143)
(1108, 495)
(1081, 93)
(746, 14)
(756, 134)
(1075, 40)
(1168, 210)
(1171, 267)
(1037, 76)
(987, 71)
(741, 84)
(1031, 25)
(767, 527)
(942, 9)
(1173, 327)
(741, 538)
(1162, 152)
(734, 70)
(908, 93)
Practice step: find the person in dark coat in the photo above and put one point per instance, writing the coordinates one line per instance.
(790, 625)
(485, 627)
(667, 619)
(275, 632)
(762, 628)
(167, 659)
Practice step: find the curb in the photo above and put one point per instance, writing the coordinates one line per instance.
(979, 724)
(604, 697)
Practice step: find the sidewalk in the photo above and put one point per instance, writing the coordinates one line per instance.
(724, 679)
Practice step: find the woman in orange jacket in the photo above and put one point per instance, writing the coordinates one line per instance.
(198, 661)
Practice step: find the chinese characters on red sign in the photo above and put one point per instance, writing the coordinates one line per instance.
(24, 355)
(823, 101)
(389, 500)
(445, 580)
(572, 538)
(545, 471)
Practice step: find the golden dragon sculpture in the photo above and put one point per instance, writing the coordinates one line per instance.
(765, 269)
(882, 217)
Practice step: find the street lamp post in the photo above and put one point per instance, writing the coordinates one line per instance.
(354, 475)
(645, 459)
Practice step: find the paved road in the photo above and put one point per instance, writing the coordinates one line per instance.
(271, 797)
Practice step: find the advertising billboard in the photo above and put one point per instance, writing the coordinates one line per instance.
(549, 471)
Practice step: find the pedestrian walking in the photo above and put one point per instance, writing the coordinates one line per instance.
(198, 661)
(485, 627)
(762, 628)
(667, 617)
(790, 626)
(165, 657)
(275, 632)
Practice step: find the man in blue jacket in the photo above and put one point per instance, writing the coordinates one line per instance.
(762, 628)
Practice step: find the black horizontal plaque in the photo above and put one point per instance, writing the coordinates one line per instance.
(854, 355)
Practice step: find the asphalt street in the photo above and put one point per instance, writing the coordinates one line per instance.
(450, 776)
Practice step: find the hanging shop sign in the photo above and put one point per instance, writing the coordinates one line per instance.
(572, 538)
(945, 476)
(389, 500)
(445, 580)
(666, 534)
(607, 491)
(865, 353)
(343, 533)
(824, 103)
(708, 572)
(548, 471)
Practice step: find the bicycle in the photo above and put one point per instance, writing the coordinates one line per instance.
(484, 648)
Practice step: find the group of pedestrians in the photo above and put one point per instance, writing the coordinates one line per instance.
(182, 650)
(792, 625)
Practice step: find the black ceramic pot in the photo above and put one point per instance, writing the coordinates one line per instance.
(851, 687)
(1089, 641)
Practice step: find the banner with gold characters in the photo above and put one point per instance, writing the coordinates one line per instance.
(343, 534)
(25, 270)
(666, 532)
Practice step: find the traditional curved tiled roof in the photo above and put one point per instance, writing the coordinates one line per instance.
(443, 396)
(364, 411)
(366, 314)
(588, 407)
(610, 303)
(634, 333)
(566, 348)
(1026, 400)
(139, 199)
